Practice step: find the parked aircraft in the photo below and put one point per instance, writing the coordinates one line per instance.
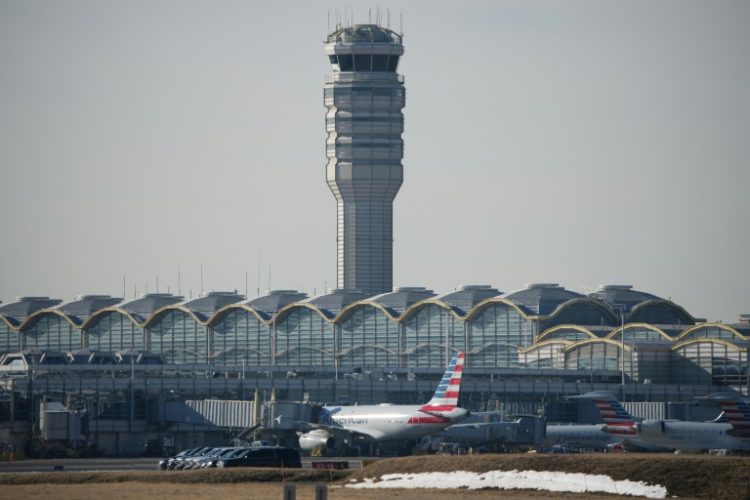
(580, 436)
(387, 422)
(676, 434)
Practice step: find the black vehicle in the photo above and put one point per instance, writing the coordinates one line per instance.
(264, 457)
(178, 462)
(165, 463)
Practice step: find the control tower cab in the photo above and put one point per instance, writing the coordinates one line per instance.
(364, 98)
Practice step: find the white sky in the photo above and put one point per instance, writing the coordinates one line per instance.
(579, 142)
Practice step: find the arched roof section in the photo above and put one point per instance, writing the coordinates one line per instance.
(166, 309)
(584, 343)
(550, 332)
(468, 296)
(284, 311)
(615, 333)
(360, 304)
(479, 308)
(236, 307)
(31, 320)
(637, 314)
(10, 323)
(415, 308)
(597, 304)
(539, 345)
(91, 320)
(686, 334)
(709, 341)
(540, 299)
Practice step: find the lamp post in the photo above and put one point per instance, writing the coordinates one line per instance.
(621, 308)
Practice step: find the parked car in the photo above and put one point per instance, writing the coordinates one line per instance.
(169, 463)
(270, 456)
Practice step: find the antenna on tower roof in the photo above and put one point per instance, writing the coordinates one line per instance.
(369, 15)
(401, 28)
(328, 23)
(389, 18)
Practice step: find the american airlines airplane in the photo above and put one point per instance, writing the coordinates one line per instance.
(676, 434)
(387, 422)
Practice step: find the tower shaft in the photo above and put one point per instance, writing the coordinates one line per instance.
(364, 97)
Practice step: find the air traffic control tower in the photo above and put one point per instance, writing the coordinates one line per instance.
(364, 97)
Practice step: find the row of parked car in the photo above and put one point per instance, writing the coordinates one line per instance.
(206, 457)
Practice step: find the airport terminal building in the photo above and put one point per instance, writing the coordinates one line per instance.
(127, 364)
(543, 327)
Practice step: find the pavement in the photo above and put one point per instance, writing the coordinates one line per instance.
(127, 464)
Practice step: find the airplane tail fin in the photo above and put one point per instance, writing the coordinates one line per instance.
(446, 395)
(615, 416)
(737, 413)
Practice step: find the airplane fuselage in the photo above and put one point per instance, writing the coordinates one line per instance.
(691, 436)
(390, 422)
(583, 436)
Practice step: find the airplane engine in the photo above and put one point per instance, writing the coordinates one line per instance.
(651, 427)
(317, 439)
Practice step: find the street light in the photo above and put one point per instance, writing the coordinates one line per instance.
(621, 308)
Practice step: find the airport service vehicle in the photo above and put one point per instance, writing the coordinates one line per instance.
(676, 434)
(387, 422)
(266, 456)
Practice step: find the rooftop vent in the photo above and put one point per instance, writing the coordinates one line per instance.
(34, 299)
(475, 287)
(157, 295)
(283, 292)
(93, 297)
(745, 318)
(410, 289)
(220, 294)
(615, 287)
(542, 285)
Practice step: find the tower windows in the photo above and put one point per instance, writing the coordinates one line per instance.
(364, 62)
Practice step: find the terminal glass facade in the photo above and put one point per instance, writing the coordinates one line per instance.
(239, 336)
(113, 331)
(179, 337)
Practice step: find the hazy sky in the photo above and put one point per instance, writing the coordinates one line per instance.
(578, 142)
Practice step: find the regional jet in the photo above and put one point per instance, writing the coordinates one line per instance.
(387, 422)
(676, 434)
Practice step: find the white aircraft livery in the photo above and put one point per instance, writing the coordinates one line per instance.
(676, 434)
(387, 422)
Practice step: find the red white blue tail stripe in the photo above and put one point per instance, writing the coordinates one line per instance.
(446, 395)
(737, 413)
(616, 418)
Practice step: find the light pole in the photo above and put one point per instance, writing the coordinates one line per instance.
(621, 308)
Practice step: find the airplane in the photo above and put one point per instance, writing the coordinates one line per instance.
(677, 434)
(580, 436)
(388, 422)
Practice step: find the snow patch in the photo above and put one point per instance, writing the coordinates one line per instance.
(522, 480)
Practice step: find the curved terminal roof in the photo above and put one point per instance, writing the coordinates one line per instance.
(333, 303)
(207, 304)
(467, 296)
(268, 305)
(149, 303)
(624, 296)
(541, 298)
(399, 300)
(364, 33)
(26, 306)
(86, 305)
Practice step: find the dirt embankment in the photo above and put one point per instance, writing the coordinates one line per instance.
(696, 476)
